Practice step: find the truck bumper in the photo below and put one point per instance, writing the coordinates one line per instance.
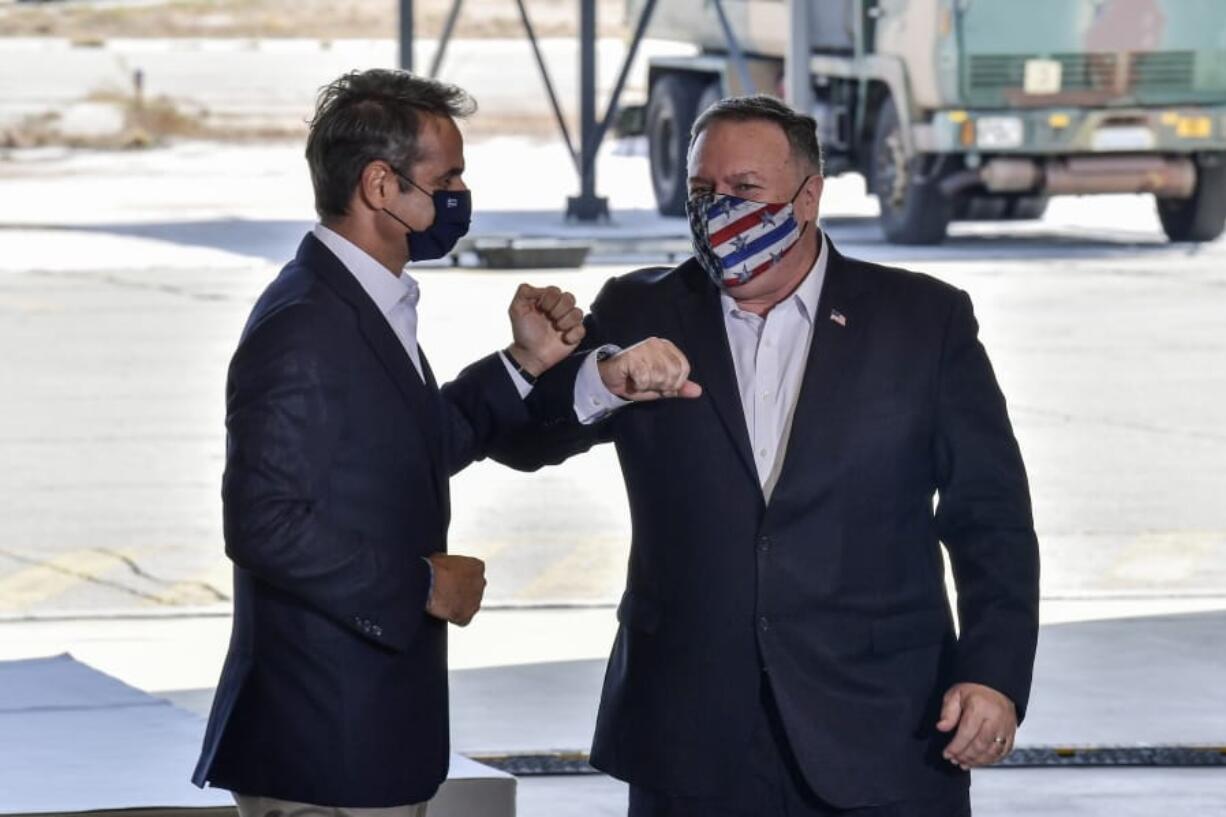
(1066, 132)
(1060, 152)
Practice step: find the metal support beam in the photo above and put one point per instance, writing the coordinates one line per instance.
(797, 77)
(406, 35)
(587, 206)
(445, 39)
(610, 113)
(734, 48)
(548, 81)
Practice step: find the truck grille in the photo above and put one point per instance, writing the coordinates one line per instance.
(1143, 71)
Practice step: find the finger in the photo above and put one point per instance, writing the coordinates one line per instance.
(951, 711)
(984, 748)
(548, 299)
(968, 730)
(690, 390)
(564, 305)
(525, 294)
(568, 320)
(678, 367)
(573, 336)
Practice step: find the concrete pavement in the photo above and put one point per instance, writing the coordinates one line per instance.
(528, 681)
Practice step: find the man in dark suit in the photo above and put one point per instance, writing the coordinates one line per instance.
(333, 698)
(786, 644)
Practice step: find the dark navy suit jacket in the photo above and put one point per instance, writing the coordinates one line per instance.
(836, 588)
(334, 691)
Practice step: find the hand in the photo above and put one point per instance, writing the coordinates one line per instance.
(649, 370)
(546, 327)
(981, 715)
(459, 584)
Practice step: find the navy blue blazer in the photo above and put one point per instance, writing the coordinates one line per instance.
(334, 691)
(836, 587)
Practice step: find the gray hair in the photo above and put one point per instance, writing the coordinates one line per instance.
(800, 129)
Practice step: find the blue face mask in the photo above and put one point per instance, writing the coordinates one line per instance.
(453, 211)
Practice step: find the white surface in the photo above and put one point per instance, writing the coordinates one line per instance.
(73, 739)
(77, 740)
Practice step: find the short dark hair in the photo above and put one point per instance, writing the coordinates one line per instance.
(370, 115)
(800, 129)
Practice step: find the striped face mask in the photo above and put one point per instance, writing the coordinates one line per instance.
(736, 240)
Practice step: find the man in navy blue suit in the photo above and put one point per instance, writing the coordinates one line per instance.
(333, 698)
(786, 646)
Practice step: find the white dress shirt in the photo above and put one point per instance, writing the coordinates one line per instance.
(395, 296)
(769, 355)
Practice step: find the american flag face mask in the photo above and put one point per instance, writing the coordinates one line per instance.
(736, 240)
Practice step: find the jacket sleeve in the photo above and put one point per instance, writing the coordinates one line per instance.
(285, 412)
(984, 517)
(554, 434)
(479, 406)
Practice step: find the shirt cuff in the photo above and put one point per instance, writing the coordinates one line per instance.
(522, 386)
(593, 401)
(430, 591)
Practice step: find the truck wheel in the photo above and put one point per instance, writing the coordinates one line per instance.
(913, 209)
(1202, 216)
(671, 112)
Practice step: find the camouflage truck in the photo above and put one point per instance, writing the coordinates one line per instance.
(972, 109)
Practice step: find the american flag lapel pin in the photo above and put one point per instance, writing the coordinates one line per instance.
(838, 317)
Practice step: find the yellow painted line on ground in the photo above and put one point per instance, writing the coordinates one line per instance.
(34, 584)
(212, 586)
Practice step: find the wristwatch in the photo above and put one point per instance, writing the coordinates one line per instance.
(528, 377)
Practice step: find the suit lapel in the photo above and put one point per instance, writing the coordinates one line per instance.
(437, 419)
(420, 399)
(706, 345)
(839, 327)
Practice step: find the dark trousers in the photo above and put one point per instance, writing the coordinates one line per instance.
(774, 786)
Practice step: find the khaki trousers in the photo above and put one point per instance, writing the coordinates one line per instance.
(250, 806)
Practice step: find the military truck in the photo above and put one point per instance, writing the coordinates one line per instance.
(971, 109)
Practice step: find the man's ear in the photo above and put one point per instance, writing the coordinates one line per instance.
(810, 197)
(377, 185)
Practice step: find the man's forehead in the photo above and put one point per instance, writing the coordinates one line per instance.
(439, 142)
(735, 147)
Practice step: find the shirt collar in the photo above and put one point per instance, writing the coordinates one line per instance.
(807, 295)
(384, 288)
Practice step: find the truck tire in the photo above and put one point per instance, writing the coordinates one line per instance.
(913, 208)
(671, 111)
(1202, 216)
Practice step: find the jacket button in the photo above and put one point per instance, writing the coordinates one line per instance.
(764, 544)
(378, 631)
(764, 623)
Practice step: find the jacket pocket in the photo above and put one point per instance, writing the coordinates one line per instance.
(638, 612)
(910, 631)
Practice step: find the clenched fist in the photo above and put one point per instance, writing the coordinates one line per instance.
(546, 327)
(649, 370)
(459, 584)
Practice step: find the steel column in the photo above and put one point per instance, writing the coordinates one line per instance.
(406, 34)
(797, 77)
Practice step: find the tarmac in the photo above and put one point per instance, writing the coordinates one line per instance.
(527, 681)
(1109, 339)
